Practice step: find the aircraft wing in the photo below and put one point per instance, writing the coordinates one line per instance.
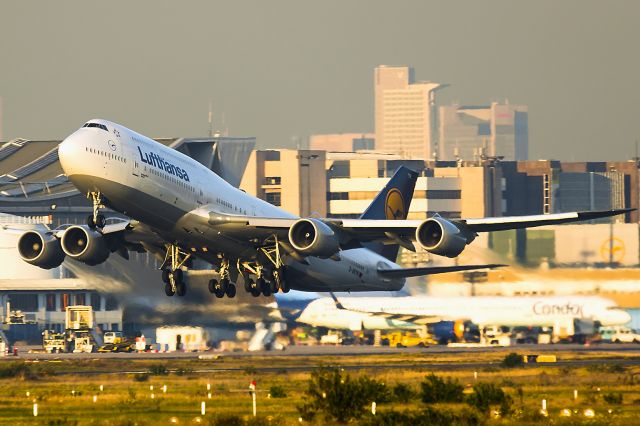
(431, 270)
(354, 231)
(396, 316)
(516, 222)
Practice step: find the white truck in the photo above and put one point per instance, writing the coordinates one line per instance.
(619, 334)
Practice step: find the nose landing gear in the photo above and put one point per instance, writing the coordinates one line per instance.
(96, 219)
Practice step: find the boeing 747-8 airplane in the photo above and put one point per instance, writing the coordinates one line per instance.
(181, 210)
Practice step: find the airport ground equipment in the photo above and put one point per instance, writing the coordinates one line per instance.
(407, 339)
(338, 337)
(540, 359)
(574, 330)
(495, 335)
(113, 337)
(78, 336)
(181, 338)
(54, 342)
(4, 344)
(125, 345)
(619, 334)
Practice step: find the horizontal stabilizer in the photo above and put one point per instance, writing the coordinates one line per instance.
(431, 270)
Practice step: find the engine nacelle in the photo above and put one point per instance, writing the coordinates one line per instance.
(84, 244)
(313, 237)
(40, 249)
(439, 236)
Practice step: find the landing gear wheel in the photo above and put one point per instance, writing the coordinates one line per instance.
(249, 285)
(276, 281)
(220, 289)
(101, 221)
(181, 288)
(165, 276)
(231, 291)
(264, 287)
(255, 292)
(282, 276)
(168, 290)
(213, 284)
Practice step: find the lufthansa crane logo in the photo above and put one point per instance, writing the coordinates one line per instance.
(112, 145)
(612, 249)
(394, 205)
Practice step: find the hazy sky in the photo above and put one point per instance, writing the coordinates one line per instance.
(280, 69)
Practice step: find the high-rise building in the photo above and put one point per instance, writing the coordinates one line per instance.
(405, 113)
(292, 179)
(342, 142)
(473, 132)
(544, 186)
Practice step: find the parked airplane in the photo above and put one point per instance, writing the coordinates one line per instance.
(411, 312)
(181, 210)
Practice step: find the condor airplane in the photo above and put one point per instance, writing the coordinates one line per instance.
(411, 312)
(181, 210)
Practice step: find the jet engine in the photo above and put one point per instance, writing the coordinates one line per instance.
(40, 249)
(313, 237)
(84, 244)
(439, 236)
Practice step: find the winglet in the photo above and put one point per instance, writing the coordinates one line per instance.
(337, 302)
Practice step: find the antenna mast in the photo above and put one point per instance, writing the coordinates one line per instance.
(210, 118)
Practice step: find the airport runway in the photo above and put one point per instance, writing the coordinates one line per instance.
(623, 354)
(350, 350)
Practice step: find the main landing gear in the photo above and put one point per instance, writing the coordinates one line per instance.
(96, 219)
(225, 286)
(266, 283)
(172, 275)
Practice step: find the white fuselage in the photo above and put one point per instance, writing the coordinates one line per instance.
(543, 311)
(174, 195)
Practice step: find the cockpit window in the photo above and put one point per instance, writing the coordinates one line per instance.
(98, 125)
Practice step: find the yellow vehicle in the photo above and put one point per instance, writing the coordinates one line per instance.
(407, 339)
(114, 337)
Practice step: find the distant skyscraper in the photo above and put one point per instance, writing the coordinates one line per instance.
(468, 132)
(342, 142)
(405, 113)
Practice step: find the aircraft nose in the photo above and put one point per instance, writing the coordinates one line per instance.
(69, 154)
(623, 317)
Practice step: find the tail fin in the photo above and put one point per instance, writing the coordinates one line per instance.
(392, 203)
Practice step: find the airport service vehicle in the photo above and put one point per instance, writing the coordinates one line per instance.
(181, 210)
(407, 339)
(619, 335)
(78, 335)
(566, 314)
(495, 335)
(113, 337)
(54, 342)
